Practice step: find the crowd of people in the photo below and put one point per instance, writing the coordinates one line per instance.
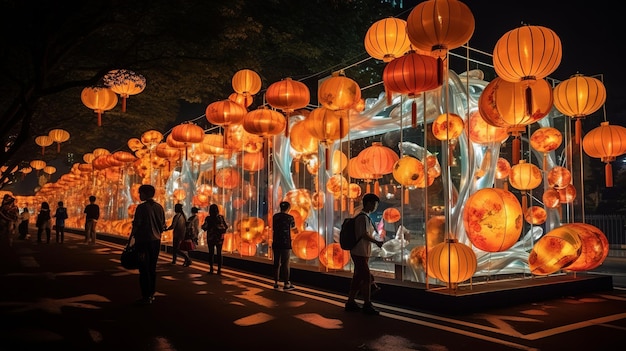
(149, 223)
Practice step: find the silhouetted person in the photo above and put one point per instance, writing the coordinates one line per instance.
(215, 227)
(92, 214)
(22, 227)
(282, 225)
(60, 215)
(179, 228)
(43, 222)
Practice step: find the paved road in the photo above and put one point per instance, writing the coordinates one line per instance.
(78, 297)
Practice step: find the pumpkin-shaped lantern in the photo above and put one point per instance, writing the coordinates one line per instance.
(411, 74)
(408, 171)
(287, 95)
(451, 262)
(125, 83)
(551, 198)
(387, 39)
(578, 97)
(545, 140)
(606, 142)
(247, 83)
(525, 177)
(59, 136)
(535, 215)
(437, 26)
(493, 219)
(99, 99)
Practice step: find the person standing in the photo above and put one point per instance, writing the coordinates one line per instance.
(360, 253)
(193, 224)
(148, 225)
(92, 214)
(43, 222)
(9, 214)
(215, 227)
(60, 216)
(282, 225)
(22, 228)
(179, 227)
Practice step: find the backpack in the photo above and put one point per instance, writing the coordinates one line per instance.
(347, 234)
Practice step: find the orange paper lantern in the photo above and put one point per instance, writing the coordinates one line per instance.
(334, 257)
(338, 92)
(606, 142)
(451, 262)
(595, 247)
(99, 99)
(387, 39)
(447, 126)
(308, 244)
(554, 251)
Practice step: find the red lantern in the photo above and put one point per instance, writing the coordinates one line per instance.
(579, 97)
(606, 142)
(387, 39)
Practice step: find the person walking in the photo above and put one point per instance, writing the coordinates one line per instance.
(43, 222)
(60, 215)
(147, 226)
(215, 227)
(179, 227)
(92, 214)
(362, 277)
(22, 227)
(9, 213)
(282, 225)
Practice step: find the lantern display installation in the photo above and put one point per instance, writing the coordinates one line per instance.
(606, 142)
(411, 74)
(451, 262)
(509, 105)
(387, 39)
(59, 136)
(247, 83)
(43, 141)
(578, 97)
(554, 251)
(525, 177)
(287, 95)
(493, 219)
(378, 160)
(437, 26)
(99, 99)
(125, 83)
(545, 140)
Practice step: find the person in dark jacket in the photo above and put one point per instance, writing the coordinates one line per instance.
(179, 227)
(59, 226)
(215, 227)
(282, 225)
(92, 214)
(43, 222)
(148, 225)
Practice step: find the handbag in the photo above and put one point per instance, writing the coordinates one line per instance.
(130, 256)
(187, 245)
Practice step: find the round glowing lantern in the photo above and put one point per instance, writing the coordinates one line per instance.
(59, 136)
(481, 132)
(327, 125)
(559, 177)
(339, 162)
(417, 257)
(179, 195)
(317, 200)
(125, 83)
(301, 140)
(213, 144)
(188, 133)
(551, 198)
(387, 39)
(535, 215)
(37, 164)
(287, 95)
(567, 194)
(391, 215)
(514, 106)
(252, 162)
(250, 229)
(525, 177)
(503, 168)
(408, 171)
(43, 141)
(606, 142)
(164, 150)
(338, 92)
(545, 140)
(264, 122)
(227, 178)
(378, 160)
(493, 219)
(554, 251)
(337, 185)
(447, 126)
(99, 99)
(411, 74)
(437, 26)
(300, 200)
(595, 247)
(247, 83)
(578, 97)
(240, 99)
(225, 112)
(435, 231)
(308, 244)
(527, 53)
(451, 262)
(334, 257)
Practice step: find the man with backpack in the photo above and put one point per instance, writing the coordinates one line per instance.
(360, 253)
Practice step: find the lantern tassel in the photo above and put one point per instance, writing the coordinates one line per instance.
(516, 149)
(287, 125)
(529, 101)
(123, 103)
(439, 71)
(388, 95)
(58, 147)
(414, 114)
(377, 187)
(368, 188)
(578, 130)
(406, 196)
(341, 128)
(608, 175)
(99, 118)
(545, 162)
(524, 202)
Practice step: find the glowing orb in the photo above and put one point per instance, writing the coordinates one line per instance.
(334, 257)
(535, 215)
(556, 250)
(595, 247)
(307, 245)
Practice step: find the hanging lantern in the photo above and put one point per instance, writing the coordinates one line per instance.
(437, 26)
(37, 164)
(567, 194)
(264, 122)
(338, 92)
(535, 215)
(447, 126)
(555, 250)
(408, 171)
(378, 160)
(251, 229)
(525, 177)
(225, 113)
(411, 74)
(551, 198)
(493, 219)
(301, 141)
(59, 136)
(507, 105)
(99, 99)
(387, 39)
(124, 83)
(227, 178)
(327, 126)
(559, 177)
(356, 171)
(545, 140)
(43, 141)
(49, 170)
(187, 134)
(606, 142)
(247, 83)
(240, 99)
(451, 262)
(151, 138)
(483, 133)
(391, 215)
(339, 162)
(578, 97)
(134, 144)
(287, 95)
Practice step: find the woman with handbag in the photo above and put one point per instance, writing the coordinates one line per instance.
(179, 226)
(215, 227)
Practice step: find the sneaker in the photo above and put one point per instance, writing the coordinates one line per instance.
(276, 286)
(352, 306)
(289, 287)
(370, 310)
